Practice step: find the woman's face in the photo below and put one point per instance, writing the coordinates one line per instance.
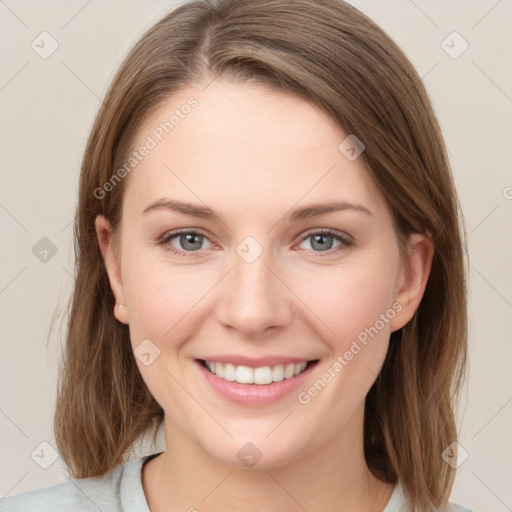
(260, 280)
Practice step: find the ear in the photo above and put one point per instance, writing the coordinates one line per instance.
(112, 265)
(412, 279)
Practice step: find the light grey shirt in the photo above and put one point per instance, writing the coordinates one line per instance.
(120, 490)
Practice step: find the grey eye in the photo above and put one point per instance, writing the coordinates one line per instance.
(191, 241)
(321, 242)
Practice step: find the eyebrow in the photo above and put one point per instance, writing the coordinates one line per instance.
(304, 212)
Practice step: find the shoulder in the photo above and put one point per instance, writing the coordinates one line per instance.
(400, 503)
(85, 494)
(106, 492)
(458, 508)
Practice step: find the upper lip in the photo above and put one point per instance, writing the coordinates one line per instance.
(254, 362)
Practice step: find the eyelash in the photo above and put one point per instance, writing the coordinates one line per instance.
(345, 241)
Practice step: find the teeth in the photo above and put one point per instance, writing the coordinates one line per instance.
(289, 372)
(278, 373)
(243, 374)
(261, 376)
(229, 372)
(219, 370)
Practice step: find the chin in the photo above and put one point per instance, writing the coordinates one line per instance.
(258, 453)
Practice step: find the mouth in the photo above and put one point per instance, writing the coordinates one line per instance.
(259, 376)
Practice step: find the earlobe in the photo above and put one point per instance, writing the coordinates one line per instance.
(112, 265)
(413, 278)
(121, 313)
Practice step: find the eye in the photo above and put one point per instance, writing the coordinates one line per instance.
(188, 243)
(323, 240)
(184, 242)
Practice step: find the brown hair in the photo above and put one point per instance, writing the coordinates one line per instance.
(327, 52)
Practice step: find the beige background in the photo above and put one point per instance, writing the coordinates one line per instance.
(47, 110)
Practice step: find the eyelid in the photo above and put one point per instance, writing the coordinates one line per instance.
(327, 231)
(345, 239)
(164, 239)
(180, 231)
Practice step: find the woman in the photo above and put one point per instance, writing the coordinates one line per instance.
(270, 266)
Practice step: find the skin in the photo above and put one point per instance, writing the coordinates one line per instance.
(253, 154)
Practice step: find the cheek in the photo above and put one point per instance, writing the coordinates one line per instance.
(163, 298)
(356, 305)
(346, 300)
(349, 300)
(163, 302)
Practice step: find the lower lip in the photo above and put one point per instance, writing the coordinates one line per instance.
(254, 395)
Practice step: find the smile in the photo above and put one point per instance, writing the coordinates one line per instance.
(261, 376)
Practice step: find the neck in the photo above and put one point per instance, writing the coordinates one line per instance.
(332, 477)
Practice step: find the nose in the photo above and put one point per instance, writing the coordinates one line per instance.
(255, 300)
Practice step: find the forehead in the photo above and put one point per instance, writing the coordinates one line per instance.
(245, 145)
